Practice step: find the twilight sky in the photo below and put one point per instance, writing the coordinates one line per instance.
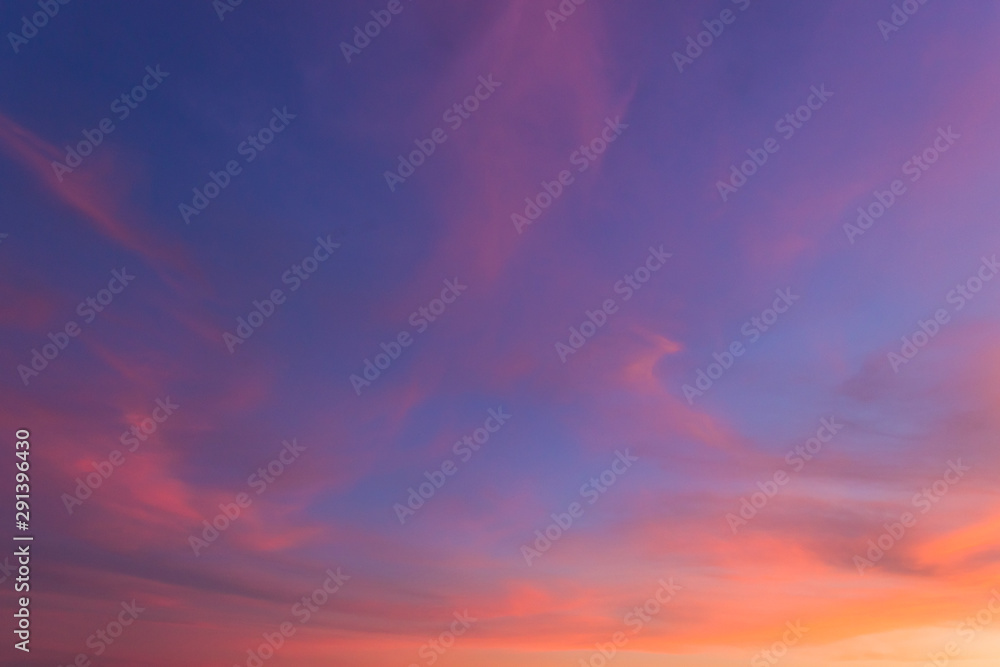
(512, 334)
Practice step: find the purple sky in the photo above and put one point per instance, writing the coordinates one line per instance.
(717, 318)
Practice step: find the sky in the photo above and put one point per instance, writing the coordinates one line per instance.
(521, 333)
